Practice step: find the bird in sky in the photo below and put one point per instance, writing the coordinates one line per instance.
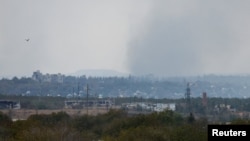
(27, 39)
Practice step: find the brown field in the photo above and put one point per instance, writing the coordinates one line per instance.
(22, 114)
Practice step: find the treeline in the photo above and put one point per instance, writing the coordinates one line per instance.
(105, 86)
(129, 86)
(112, 126)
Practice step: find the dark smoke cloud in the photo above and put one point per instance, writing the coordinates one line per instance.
(182, 38)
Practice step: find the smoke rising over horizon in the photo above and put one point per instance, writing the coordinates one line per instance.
(180, 38)
(160, 37)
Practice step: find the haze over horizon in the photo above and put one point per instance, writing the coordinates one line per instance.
(164, 38)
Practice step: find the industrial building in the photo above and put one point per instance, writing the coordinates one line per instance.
(8, 104)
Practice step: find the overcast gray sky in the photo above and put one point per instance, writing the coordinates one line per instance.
(162, 37)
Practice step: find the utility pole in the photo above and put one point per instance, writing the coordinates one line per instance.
(87, 89)
(78, 90)
(73, 95)
(188, 99)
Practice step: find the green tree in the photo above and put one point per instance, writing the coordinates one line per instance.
(5, 126)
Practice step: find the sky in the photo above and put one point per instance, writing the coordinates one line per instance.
(159, 37)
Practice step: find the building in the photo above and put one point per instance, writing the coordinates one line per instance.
(38, 76)
(78, 104)
(8, 104)
(157, 107)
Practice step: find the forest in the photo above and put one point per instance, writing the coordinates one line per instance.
(115, 125)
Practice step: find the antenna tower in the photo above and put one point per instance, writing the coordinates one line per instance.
(187, 97)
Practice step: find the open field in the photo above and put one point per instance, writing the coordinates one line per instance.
(22, 114)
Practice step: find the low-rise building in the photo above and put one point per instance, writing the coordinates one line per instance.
(8, 104)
